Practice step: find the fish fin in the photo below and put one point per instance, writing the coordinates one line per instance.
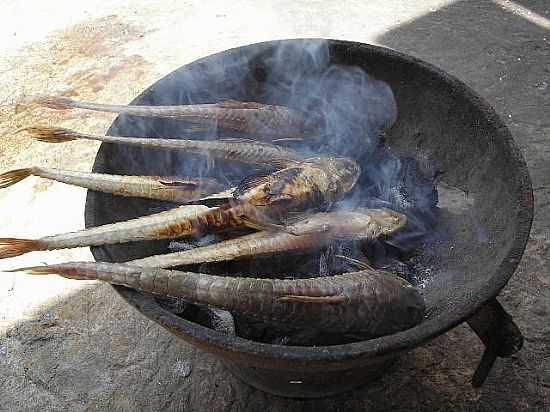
(283, 163)
(251, 182)
(33, 270)
(50, 134)
(179, 184)
(216, 198)
(318, 230)
(329, 300)
(229, 103)
(289, 172)
(287, 139)
(240, 140)
(53, 102)
(209, 201)
(10, 247)
(261, 225)
(65, 270)
(359, 264)
(14, 176)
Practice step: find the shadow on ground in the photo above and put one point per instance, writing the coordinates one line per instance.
(91, 351)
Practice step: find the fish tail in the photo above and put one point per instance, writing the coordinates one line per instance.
(68, 270)
(33, 270)
(53, 102)
(10, 247)
(14, 176)
(51, 134)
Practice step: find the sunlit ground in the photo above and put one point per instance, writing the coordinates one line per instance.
(166, 35)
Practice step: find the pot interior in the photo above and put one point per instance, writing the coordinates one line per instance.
(484, 207)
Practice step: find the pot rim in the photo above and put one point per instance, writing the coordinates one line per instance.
(385, 345)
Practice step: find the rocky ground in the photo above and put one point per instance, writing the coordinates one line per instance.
(76, 346)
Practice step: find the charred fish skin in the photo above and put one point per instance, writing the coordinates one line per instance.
(309, 185)
(236, 149)
(167, 188)
(271, 197)
(344, 173)
(366, 302)
(311, 233)
(251, 117)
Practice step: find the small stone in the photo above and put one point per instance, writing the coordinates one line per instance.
(183, 368)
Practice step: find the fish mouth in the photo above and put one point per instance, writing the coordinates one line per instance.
(390, 220)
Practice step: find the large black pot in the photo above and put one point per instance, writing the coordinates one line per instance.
(441, 122)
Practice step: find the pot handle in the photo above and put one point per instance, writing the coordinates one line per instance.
(501, 336)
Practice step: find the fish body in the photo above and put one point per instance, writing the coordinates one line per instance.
(167, 188)
(311, 233)
(250, 117)
(243, 150)
(142, 228)
(308, 186)
(367, 302)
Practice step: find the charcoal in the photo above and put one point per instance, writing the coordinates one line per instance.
(222, 320)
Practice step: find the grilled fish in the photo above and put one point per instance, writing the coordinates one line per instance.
(308, 185)
(264, 120)
(172, 189)
(311, 233)
(368, 302)
(142, 228)
(243, 150)
(315, 183)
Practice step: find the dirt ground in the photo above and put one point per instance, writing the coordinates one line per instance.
(68, 345)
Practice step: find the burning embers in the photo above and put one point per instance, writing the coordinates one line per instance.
(302, 200)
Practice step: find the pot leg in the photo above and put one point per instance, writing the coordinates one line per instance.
(501, 336)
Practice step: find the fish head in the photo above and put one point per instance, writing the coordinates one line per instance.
(294, 188)
(363, 223)
(387, 221)
(343, 172)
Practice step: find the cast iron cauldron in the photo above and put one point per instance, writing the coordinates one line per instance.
(440, 121)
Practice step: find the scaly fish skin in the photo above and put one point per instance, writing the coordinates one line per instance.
(265, 120)
(167, 188)
(302, 187)
(313, 232)
(369, 303)
(242, 150)
(313, 184)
